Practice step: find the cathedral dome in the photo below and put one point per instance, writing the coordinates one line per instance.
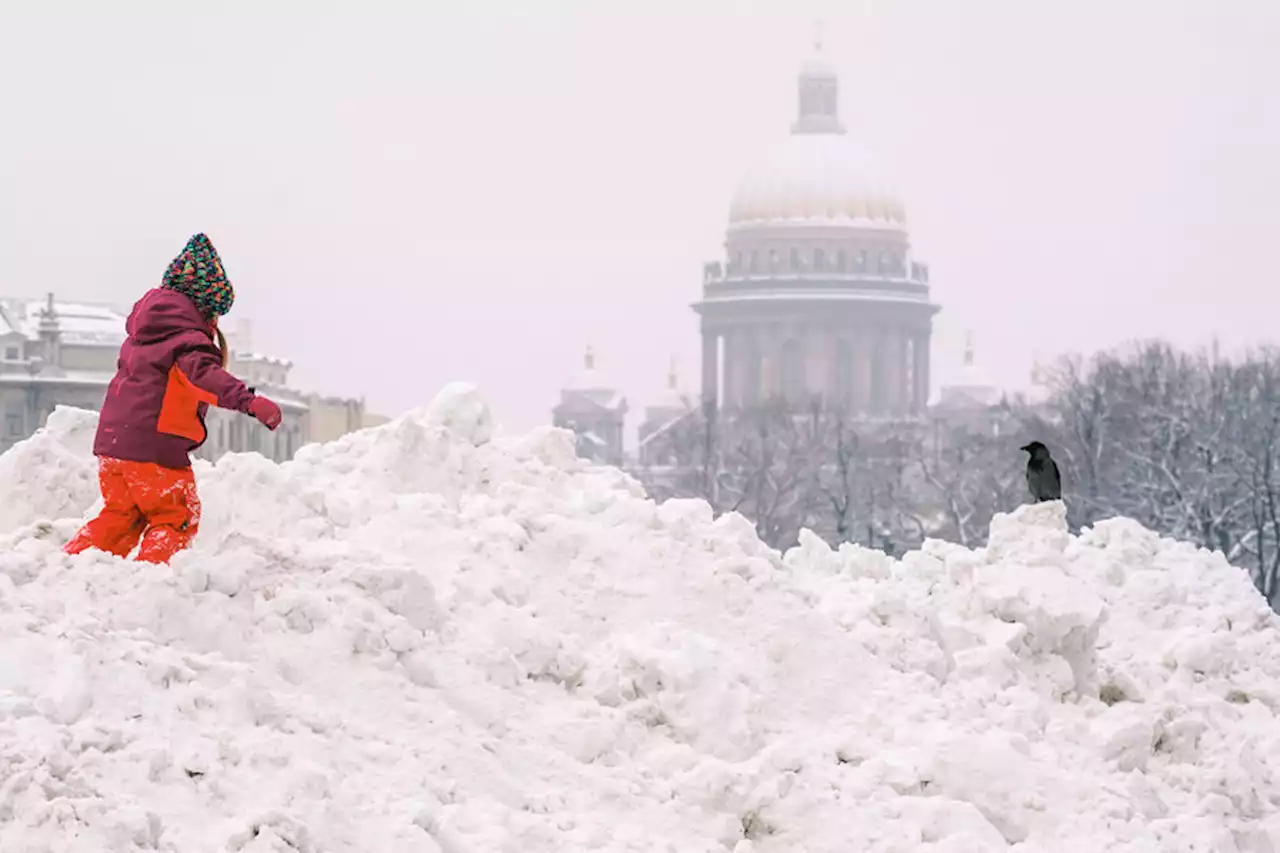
(816, 178)
(819, 175)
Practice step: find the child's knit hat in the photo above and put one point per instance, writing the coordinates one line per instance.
(197, 273)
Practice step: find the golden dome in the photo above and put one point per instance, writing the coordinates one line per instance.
(816, 178)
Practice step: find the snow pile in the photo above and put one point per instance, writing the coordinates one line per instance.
(431, 636)
(51, 474)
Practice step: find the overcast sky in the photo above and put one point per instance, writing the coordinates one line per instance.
(412, 193)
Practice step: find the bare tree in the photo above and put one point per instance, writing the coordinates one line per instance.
(1255, 457)
(970, 476)
(1186, 443)
(841, 477)
(761, 461)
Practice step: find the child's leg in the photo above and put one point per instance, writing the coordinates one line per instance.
(168, 500)
(119, 525)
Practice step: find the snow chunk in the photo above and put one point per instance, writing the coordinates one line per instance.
(52, 474)
(459, 408)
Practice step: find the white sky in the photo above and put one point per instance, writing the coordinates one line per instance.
(409, 194)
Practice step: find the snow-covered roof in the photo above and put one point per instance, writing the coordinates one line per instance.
(603, 398)
(672, 398)
(590, 386)
(971, 384)
(79, 323)
(971, 376)
(589, 378)
(665, 428)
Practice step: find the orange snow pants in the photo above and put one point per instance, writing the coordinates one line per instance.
(143, 501)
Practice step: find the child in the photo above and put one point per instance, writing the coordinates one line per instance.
(170, 370)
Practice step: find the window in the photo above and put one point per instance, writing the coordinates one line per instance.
(12, 354)
(797, 264)
(819, 260)
(773, 260)
(13, 425)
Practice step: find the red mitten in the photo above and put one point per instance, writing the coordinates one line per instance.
(265, 411)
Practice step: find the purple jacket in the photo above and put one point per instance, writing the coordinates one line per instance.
(169, 372)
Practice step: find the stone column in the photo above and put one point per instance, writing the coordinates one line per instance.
(893, 376)
(749, 349)
(814, 349)
(710, 366)
(732, 368)
(862, 370)
(921, 391)
(906, 377)
(772, 379)
(832, 393)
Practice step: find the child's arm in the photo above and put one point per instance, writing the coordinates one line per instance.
(202, 364)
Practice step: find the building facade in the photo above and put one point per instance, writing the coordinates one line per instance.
(64, 354)
(818, 294)
(970, 388)
(595, 412)
(659, 433)
(52, 354)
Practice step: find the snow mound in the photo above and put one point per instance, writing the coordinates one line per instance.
(431, 636)
(52, 474)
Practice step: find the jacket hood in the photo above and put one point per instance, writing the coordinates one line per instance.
(162, 313)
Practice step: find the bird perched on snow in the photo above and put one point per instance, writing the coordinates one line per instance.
(1043, 478)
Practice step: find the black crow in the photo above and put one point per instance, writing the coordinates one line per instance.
(1043, 478)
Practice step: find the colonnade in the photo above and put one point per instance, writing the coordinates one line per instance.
(872, 370)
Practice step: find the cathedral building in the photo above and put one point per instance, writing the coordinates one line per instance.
(818, 294)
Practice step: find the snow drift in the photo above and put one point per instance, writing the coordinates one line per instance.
(431, 636)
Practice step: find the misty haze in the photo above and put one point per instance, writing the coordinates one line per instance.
(634, 427)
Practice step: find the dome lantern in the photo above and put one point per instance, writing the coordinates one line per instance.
(819, 91)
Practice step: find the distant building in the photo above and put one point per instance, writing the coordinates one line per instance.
(970, 388)
(1037, 395)
(658, 433)
(53, 354)
(818, 294)
(61, 353)
(595, 412)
